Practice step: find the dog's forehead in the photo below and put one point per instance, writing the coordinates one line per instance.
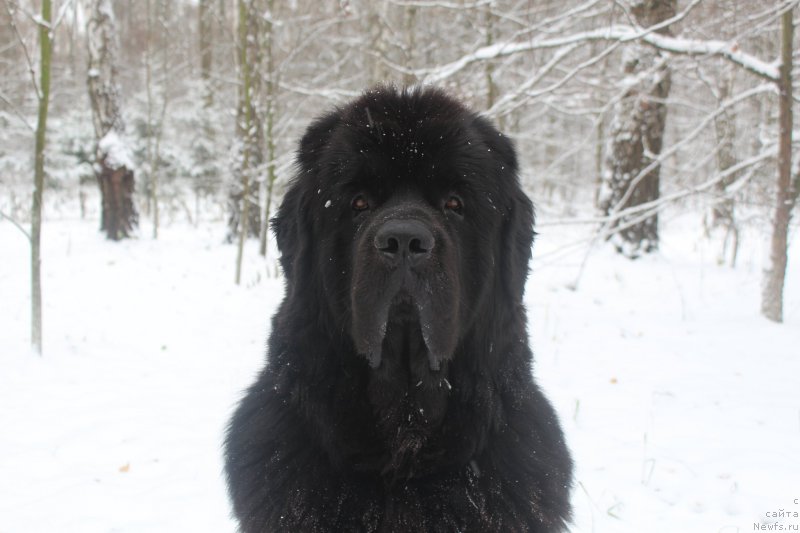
(406, 144)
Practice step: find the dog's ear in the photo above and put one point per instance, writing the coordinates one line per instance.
(517, 242)
(292, 224)
(517, 230)
(292, 231)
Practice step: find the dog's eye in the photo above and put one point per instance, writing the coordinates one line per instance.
(454, 204)
(359, 203)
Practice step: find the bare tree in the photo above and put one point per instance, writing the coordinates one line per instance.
(155, 124)
(46, 53)
(114, 167)
(245, 213)
(46, 29)
(786, 191)
(270, 104)
(722, 212)
(637, 134)
(204, 31)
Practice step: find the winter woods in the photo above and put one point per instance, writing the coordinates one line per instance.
(622, 110)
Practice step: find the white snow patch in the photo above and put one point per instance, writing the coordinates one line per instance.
(117, 151)
(679, 402)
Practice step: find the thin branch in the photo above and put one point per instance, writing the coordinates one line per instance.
(642, 212)
(435, 3)
(17, 112)
(61, 13)
(493, 51)
(16, 225)
(31, 70)
(620, 33)
(726, 50)
(674, 197)
(497, 109)
(686, 139)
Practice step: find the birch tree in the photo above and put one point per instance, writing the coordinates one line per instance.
(113, 162)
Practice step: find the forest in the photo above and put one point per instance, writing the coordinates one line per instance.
(656, 139)
(619, 109)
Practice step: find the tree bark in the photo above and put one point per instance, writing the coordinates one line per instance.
(725, 130)
(245, 219)
(205, 15)
(786, 195)
(410, 18)
(249, 129)
(271, 102)
(113, 167)
(637, 132)
(46, 52)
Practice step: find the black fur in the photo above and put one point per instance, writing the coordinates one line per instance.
(399, 398)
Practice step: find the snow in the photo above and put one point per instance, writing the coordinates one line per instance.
(620, 33)
(727, 50)
(679, 401)
(116, 150)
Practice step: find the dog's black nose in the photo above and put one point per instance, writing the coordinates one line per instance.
(404, 239)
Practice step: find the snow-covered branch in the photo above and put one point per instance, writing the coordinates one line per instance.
(636, 214)
(614, 33)
(616, 209)
(727, 50)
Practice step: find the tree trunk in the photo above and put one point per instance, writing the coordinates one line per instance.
(786, 195)
(155, 127)
(271, 101)
(46, 51)
(116, 191)
(113, 166)
(249, 130)
(725, 129)
(410, 16)
(245, 212)
(205, 152)
(637, 132)
(491, 84)
(151, 204)
(376, 35)
(206, 50)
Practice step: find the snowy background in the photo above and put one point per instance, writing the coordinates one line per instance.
(680, 402)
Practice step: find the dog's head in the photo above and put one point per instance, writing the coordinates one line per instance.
(406, 212)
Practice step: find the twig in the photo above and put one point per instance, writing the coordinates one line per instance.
(61, 13)
(644, 211)
(17, 112)
(31, 70)
(614, 33)
(16, 225)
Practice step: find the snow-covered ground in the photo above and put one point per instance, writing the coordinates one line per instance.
(681, 404)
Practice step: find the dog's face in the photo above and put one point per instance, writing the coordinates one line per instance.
(405, 214)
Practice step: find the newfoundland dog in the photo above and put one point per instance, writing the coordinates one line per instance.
(398, 394)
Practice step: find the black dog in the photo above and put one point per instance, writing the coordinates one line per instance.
(398, 393)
